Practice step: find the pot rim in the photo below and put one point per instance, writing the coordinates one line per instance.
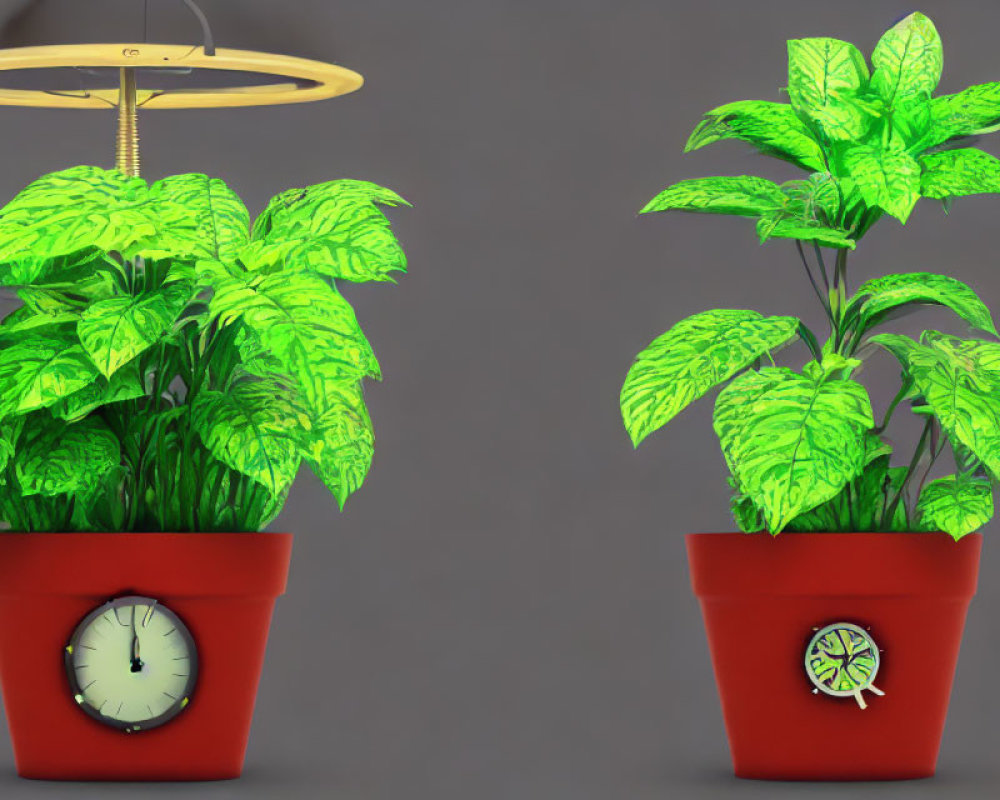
(739, 564)
(174, 564)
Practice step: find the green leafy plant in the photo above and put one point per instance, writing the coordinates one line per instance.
(803, 448)
(170, 367)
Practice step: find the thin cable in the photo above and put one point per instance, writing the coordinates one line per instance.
(208, 41)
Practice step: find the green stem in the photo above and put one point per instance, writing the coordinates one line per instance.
(910, 470)
(904, 388)
(822, 265)
(812, 281)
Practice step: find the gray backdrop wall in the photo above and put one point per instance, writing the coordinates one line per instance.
(503, 612)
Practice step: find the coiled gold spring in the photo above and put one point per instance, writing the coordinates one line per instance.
(127, 159)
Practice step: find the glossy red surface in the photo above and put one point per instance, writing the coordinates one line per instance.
(223, 585)
(762, 597)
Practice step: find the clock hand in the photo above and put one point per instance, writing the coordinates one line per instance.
(135, 661)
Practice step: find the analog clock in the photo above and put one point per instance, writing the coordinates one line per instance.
(132, 664)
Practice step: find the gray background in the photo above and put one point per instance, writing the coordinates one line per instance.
(504, 610)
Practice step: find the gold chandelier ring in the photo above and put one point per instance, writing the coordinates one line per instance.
(306, 80)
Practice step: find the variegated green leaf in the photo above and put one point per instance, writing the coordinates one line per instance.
(953, 173)
(911, 121)
(956, 504)
(742, 195)
(80, 269)
(824, 79)
(253, 427)
(341, 442)
(332, 228)
(125, 384)
(777, 227)
(71, 211)
(26, 319)
(746, 515)
(970, 112)
(861, 505)
(907, 59)
(696, 354)
(302, 320)
(876, 297)
(198, 217)
(39, 370)
(960, 382)
(61, 458)
(887, 179)
(792, 441)
(820, 198)
(115, 331)
(10, 431)
(773, 128)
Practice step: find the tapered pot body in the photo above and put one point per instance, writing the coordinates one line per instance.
(222, 585)
(765, 599)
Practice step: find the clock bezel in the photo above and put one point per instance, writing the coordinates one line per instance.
(69, 652)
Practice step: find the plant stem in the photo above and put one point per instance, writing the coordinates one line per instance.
(905, 387)
(822, 266)
(910, 470)
(812, 280)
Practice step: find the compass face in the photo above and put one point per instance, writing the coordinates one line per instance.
(842, 660)
(132, 664)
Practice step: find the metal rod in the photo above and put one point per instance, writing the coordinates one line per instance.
(127, 159)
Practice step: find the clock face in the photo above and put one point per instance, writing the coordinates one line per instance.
(132, 664)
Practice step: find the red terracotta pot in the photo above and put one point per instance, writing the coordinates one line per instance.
(222, 585)
(763, 598)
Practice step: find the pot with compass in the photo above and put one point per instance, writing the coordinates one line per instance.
(170, 370)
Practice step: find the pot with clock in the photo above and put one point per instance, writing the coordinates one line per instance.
(169, 369)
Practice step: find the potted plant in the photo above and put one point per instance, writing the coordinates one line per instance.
(167, 373)
(834, 644)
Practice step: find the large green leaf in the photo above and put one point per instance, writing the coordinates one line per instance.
(907, 59)
(777, 227)
(197, 217)
(824, 79)
(60, 458)
(876, 297)
(960, 382)
(887, 179)
(773, 128)
(953, 173)
(74, 210)
(860, 505)
(332, 228)
(302, 320)
(696, 354)
(341, 443)
(10, 430)
(253, 427)
(792, 441)
(972, 111)
(77, 211)
(956, 504)
(116, 330)
(38, 370)
(125, 384)
(742, 195)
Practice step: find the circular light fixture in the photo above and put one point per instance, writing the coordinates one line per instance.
(270, 79)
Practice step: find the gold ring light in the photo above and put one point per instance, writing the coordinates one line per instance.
(270, 79)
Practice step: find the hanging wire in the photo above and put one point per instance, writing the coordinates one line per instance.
(208, 41)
